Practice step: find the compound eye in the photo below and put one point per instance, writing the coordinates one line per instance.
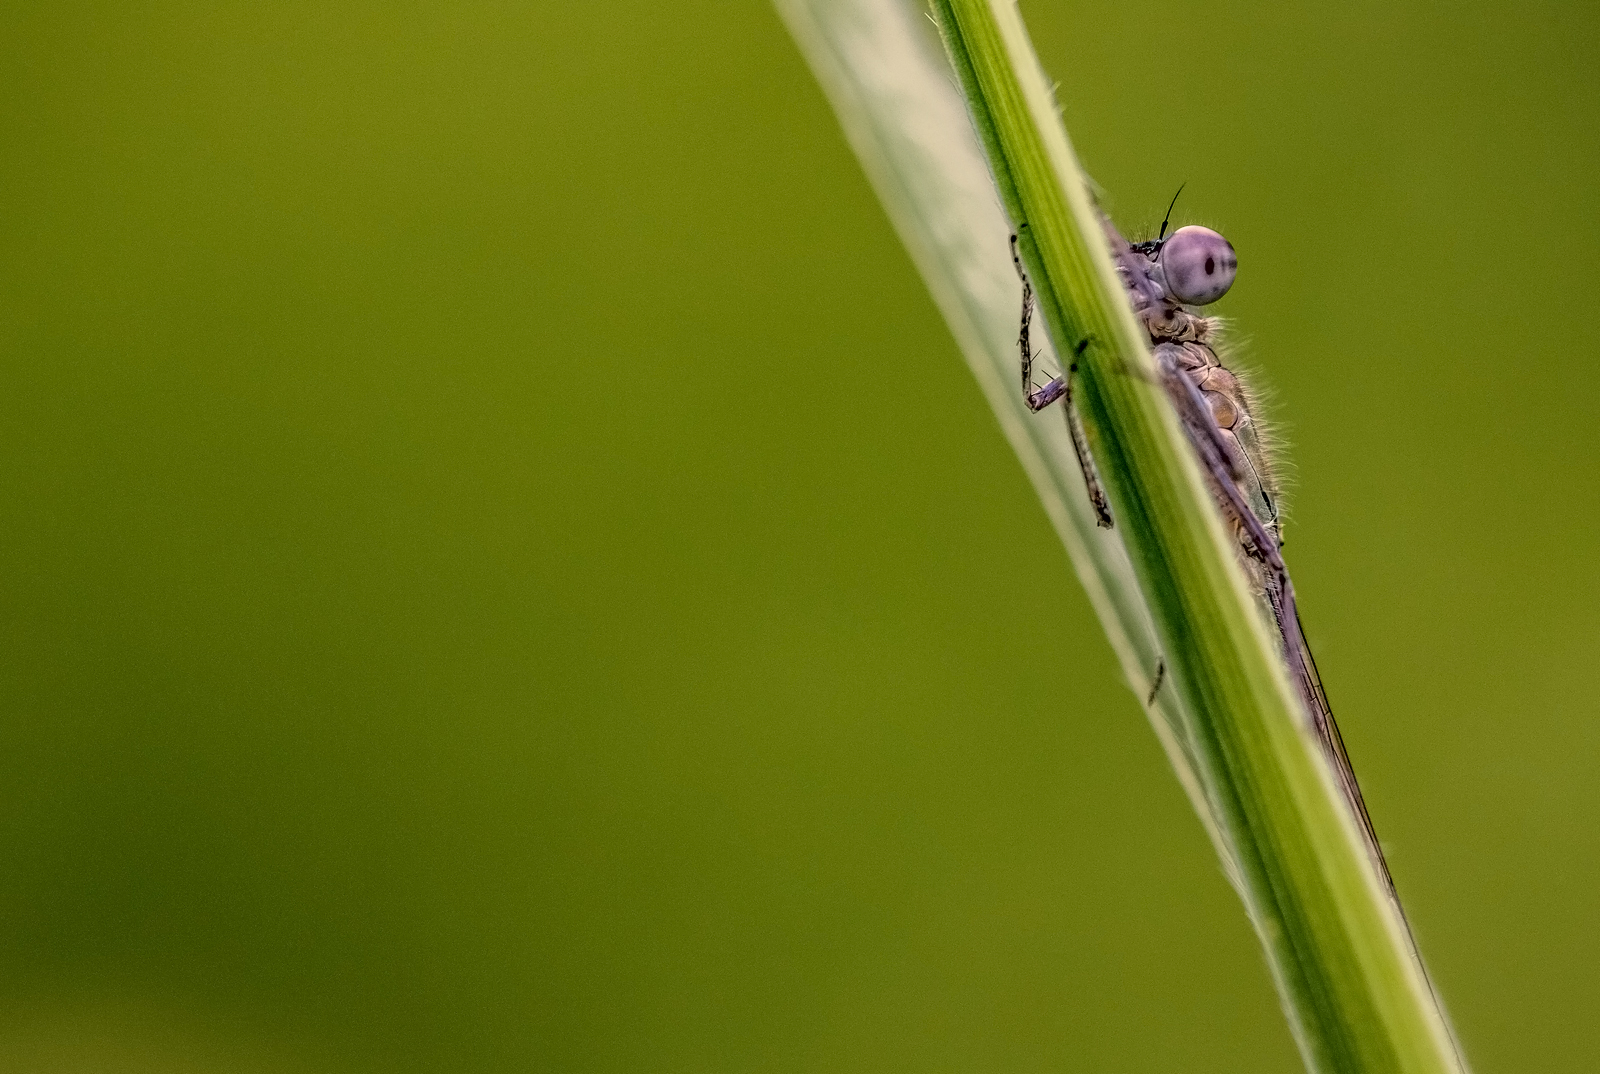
(1198, 265)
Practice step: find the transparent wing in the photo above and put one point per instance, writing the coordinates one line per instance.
(1327, 729)
(1232, 485)
(1239, 476)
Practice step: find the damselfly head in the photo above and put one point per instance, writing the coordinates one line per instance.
(1198, 265)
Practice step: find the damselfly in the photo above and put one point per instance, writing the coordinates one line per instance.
(1164, 278)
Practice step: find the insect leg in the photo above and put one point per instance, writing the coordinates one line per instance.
(1080, 445)
(1058, 388)
(1037, 399)
(1155, 686)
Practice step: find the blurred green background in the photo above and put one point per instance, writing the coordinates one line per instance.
(503, 569)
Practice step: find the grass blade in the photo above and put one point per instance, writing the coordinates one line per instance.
(1165, 582)
(897, 101)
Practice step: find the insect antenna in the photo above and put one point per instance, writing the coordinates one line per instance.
(1168, 218)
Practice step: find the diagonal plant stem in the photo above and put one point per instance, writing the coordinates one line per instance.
(1166, 583)
(897, 101)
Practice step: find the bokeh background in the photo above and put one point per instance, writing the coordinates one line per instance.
(503, 569)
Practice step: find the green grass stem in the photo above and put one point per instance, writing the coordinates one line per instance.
(1166, 582)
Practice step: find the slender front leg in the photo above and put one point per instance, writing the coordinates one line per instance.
(1058, 388)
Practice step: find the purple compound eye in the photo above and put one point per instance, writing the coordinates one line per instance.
(1198, 265)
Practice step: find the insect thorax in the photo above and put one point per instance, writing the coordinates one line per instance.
(1165, 320)
(1190, 341)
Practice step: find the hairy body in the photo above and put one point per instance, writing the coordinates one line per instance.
(1165, 279)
